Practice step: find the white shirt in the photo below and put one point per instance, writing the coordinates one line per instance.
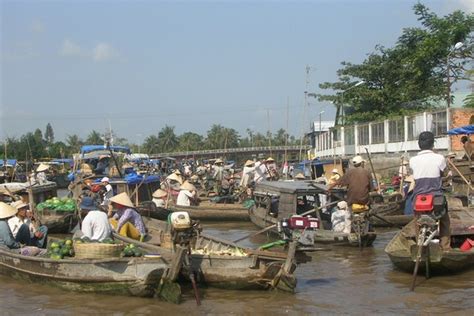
(96, 226)
(183, 198)
(260, 172)
(159, 202)
(15, 223)
(109, 193)
(247, 174)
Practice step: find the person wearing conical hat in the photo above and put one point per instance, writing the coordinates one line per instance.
(186, 195)
(218, 175)
(23, 230)
(126, 221)
(6, 236)
(159, 197)
(40, 174)
(335, 176)
(299, 176)
(247, 173)
(261, 171)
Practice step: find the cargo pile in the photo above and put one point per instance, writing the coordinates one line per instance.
(64, 204)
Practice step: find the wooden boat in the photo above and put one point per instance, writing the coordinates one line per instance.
(295, 198)
(223, 264)
(125, 276)
(206, 211)
(402, 248)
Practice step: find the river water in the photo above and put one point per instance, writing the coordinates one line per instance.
(338, 281)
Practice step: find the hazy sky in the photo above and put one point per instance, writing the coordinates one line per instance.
(143, 64)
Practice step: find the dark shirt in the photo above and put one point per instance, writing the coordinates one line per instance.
(359, 183)
(6, 236)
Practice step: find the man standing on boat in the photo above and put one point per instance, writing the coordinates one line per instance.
(428, 168)
(359, 183)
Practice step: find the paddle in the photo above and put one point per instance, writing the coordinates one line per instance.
(384, 220)
(272, 226)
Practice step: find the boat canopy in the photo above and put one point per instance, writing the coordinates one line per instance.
(10, 162)
(64, 160)
(463, 130)
(292, 187)
(90, 148)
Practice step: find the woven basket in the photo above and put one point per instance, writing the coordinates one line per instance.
(97, 250)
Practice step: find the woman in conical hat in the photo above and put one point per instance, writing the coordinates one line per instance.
(159, 197)
(175, 177)
(6, 236)
(42, 167)
(249, 163)
(126, 221)
(186, 195)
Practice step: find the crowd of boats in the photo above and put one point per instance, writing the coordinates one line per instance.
(296, 211)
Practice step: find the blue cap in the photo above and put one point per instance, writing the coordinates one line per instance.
(88, 203)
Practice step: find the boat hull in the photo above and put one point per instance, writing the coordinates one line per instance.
(120, 276)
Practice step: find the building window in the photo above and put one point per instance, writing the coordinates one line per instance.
(439, 125)
(415, 126)
(349, 138)
(363, 135)
(396, 131)
(378, 133)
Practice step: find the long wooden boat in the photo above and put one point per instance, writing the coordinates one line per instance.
(224, 264)
(125, 276)
(402, 248)
(295, 198)
(206, 211)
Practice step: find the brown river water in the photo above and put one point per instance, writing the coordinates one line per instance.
(337, 281)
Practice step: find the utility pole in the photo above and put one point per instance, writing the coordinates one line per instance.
(269, 134)
(305, 106)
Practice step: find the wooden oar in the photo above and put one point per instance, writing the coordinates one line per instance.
(274, 225)
(460, 174)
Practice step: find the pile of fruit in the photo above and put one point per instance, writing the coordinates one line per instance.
(60, 249)
(64, 204)
(132, 251)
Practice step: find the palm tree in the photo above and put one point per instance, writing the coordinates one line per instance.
(94, 138)
(167, 139)
(151, 144)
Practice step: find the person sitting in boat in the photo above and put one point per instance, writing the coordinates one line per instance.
(95, 224)
(187, 195)
(341, 218)
(159, 198)
(23, 229)
(227, 185)
(218, 174)
(359, 183)
(174, 181)
(126, 221)
(6, 236)
(468, 147)
(261, 171)
(40, 175)
(335, 176)
(272, 171)
(247, 173)
(102, 165)
(109, 192)
(428, 168)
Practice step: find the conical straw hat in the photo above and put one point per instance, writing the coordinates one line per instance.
(188, 186)
(6, 210)
(175, 177)
(177, 172)
(159, 193)
(42, 167)
(300, 176)
(248, 163)
(122, 199)
(270, 159)
(218, 161)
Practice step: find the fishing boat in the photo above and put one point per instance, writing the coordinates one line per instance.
(279, 200)
(206, 211)
(57, 221)
(125, 276)
(222, 263)
(402, 248)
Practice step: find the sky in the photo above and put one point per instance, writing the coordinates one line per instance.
(137, 66)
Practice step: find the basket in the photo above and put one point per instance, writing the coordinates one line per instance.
(97, 250)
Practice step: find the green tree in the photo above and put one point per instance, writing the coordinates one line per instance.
(167, 139)
(190, 141)
(220, 137)
(151, 145)
(408, 77)
(74, 143)
(49, 134)
(94, 138)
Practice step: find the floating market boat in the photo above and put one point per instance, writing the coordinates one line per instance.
(224, 264)
(402, 248)
(206, 211)
(279, 200)
(125, 276)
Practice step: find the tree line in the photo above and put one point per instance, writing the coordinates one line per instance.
(38, 145)
(414, 75)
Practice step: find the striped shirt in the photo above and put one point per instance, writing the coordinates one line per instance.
(427, 169)
(130, 215)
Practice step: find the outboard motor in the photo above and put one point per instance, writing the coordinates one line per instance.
(298, 228)
(183, 230)
(428, 209)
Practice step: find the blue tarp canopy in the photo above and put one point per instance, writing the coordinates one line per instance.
(134, 178)
(90, 148)
(314, 162)
(10, 162)
(463, 130)
(65, 160)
